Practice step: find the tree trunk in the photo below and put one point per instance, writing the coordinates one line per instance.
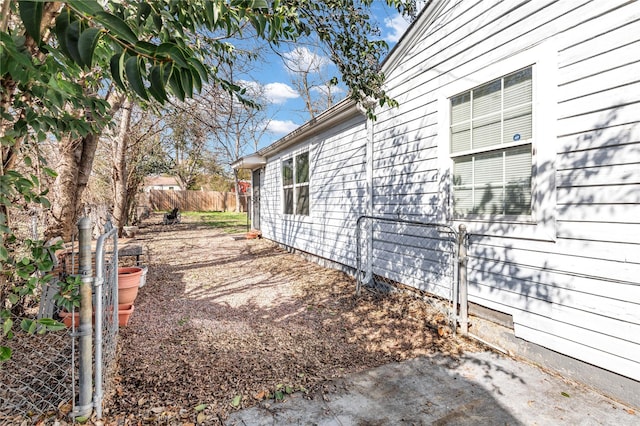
(119, 173)
(76, 161)
(237, 185)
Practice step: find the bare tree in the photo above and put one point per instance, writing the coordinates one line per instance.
(185, 141)
(308, 72)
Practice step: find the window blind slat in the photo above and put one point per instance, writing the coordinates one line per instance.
(517, 124)
(460, 137)
(518, 165)
(487, 98)
(487, 168)
(462, 171)
(460, 108)
(518, 88)
(489, 199)
(486, 131)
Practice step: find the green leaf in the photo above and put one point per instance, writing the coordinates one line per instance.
(116, 65)
(187, 82)
(175, 84)
(212, 12)
(145, 47)
(5, 353)
(260, 4)
(200, 407)
(143, 12)
(6, 327)
(4, 254)
(62, 23)
(50, 172)
(87, 45)
(173, 52)
(200, 68)
(132, 70)
(71, 38)
(51, 324)
(89, 7)
(28, 325)
(195, 78)
(565, 394)
(116, 26)
(236, 401)
(157, 21)
(13, 298)
(31, 15)
(157, 89)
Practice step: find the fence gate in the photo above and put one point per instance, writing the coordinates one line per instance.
(106, 301)
(392, 253)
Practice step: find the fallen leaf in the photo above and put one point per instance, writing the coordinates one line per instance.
(236, 401)
(260, 395)
(200, 407)
(201, 417)
(564, 394)
(630, 411)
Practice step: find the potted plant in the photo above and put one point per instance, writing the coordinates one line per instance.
(128, 284)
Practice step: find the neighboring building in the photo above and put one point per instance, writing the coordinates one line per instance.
(162, 183)
(520, 120)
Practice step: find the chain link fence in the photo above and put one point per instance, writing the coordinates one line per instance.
(42, 377)
(420, 257)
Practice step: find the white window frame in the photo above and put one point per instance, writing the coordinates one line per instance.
(540, 224)
(295, 186)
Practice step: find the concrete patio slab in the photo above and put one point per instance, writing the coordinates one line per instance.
(478, 389)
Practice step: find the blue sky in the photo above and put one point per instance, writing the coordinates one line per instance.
(285, 108)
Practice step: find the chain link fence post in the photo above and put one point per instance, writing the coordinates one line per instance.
(85, 330)
(462, 279)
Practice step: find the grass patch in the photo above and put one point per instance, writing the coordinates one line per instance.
(229, 222)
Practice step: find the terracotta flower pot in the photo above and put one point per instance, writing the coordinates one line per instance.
(124, 313)
(128, 284)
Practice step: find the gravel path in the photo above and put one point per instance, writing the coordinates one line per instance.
(224, 323)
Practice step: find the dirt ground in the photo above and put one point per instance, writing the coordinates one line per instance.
(223, 323)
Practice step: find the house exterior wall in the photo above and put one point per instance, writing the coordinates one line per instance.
(570, 276)
(338, 194)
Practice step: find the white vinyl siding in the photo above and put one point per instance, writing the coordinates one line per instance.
(569, 275)
(489, 179)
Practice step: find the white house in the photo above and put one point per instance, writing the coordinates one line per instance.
(161, 183)
(520, 120)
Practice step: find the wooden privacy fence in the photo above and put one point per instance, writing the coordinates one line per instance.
(193, 200)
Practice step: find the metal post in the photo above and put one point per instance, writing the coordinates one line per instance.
(85, 330)
(462, 279)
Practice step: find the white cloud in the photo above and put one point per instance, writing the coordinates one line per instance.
(302, 59)
(397, 25)
(325, 89)
(279, 93)
(253, 87)
(280, 127)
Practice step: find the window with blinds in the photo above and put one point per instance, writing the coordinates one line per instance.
(491, 137)
(295, 184)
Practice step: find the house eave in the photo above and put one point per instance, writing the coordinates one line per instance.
(252, 162)
(339, 112)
